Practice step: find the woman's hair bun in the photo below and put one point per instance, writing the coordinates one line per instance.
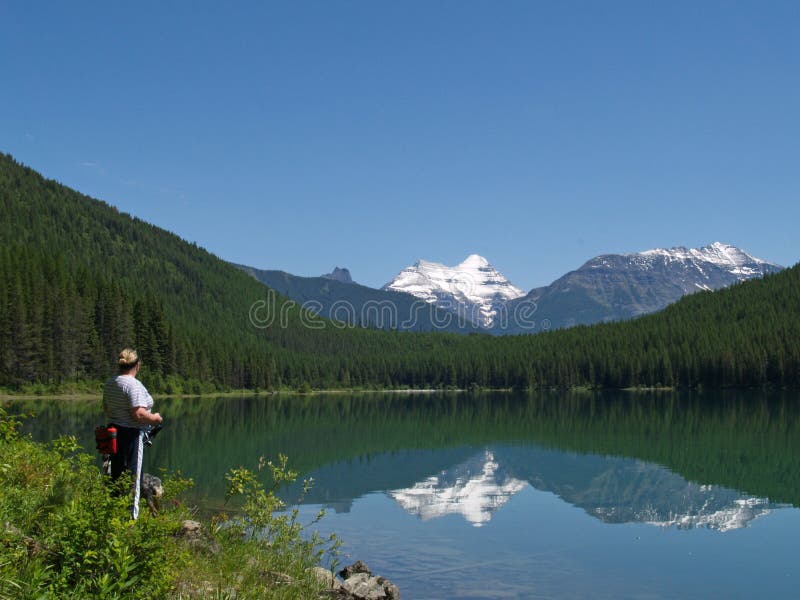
(128, 358)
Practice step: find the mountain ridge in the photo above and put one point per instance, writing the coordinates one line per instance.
(356, 304)
(339, 274)
(614, 287)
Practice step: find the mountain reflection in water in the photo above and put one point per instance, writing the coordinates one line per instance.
(474, 489)
(614, 490)
(675, 459)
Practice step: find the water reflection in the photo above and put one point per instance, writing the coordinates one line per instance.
(613, 490)
(474, 489)
(682, 460)
(514, 495)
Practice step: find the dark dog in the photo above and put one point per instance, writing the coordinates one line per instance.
(152, 490)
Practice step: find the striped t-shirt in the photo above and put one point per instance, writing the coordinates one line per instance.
(122, 393)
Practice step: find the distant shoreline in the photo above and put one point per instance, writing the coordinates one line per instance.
(6, 396)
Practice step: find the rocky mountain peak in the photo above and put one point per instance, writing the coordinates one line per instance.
(339, 274)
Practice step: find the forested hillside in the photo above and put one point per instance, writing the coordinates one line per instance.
(79, 280)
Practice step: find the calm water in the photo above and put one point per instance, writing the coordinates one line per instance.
(517, 496)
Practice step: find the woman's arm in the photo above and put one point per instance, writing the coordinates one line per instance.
(141, 415)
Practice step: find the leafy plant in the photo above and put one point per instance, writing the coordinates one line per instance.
(67, 533)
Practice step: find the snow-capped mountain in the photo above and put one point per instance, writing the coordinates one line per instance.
(473, 289)
(474, 296)
(701, 268)
(620, 286)
(474, 489)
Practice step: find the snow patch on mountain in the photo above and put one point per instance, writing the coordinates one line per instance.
(729, 258)
(473, 289)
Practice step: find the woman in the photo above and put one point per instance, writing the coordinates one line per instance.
(127, 405)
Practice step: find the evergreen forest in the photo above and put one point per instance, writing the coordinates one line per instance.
(79, 280)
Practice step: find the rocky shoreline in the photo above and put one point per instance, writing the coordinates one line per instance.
(357, 583)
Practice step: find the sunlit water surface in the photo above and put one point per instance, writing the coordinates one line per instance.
(553, 495)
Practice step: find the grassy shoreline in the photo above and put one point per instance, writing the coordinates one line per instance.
(64, 534)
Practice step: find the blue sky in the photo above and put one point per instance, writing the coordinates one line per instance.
(304, 135)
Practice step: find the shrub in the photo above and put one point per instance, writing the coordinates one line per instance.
(64, 534)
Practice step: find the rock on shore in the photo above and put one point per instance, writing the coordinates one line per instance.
(358, 584)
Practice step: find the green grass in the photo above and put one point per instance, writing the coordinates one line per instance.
(64, 535)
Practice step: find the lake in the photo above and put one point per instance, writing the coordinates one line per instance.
(515, 495)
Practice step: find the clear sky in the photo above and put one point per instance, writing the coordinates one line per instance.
(305, 135)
